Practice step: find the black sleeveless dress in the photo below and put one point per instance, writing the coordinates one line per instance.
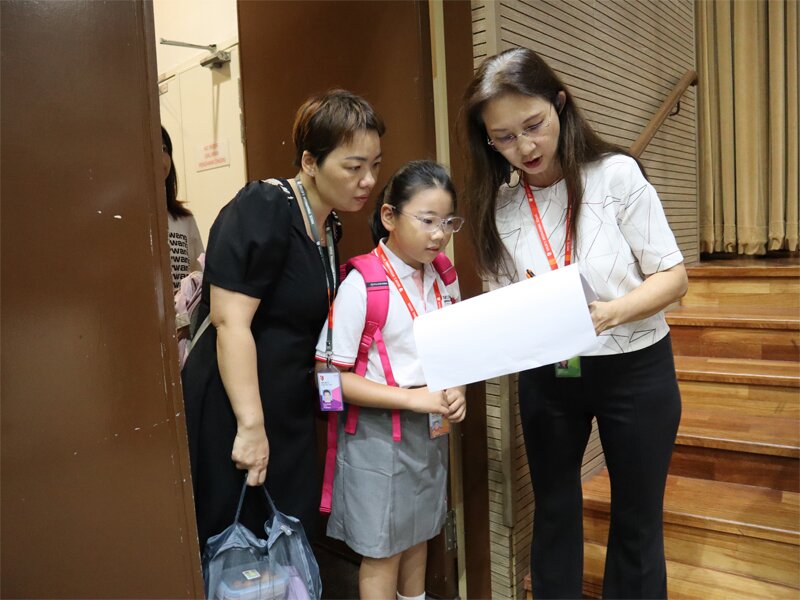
(258, 246)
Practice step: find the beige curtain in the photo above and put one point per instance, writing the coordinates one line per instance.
(747, 57)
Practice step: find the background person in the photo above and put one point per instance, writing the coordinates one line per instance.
(185, 243)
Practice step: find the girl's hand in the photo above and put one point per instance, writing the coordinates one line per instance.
(457, 403)
(603, 316)
(251, 453)
(423, 401)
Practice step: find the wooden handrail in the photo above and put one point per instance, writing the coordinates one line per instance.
(689, 78)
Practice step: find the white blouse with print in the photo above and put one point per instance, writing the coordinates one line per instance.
(622, 237)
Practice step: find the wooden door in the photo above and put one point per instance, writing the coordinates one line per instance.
(380, 50)
(96, 494)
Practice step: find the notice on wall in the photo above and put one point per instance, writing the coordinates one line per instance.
(213, 154)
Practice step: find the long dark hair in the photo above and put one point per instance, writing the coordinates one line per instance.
(519, 71)
(174, 206)
(411, 178)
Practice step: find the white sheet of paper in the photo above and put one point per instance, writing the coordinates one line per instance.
(532, 323)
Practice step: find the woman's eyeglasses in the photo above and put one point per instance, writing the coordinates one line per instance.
(535, 133)
(431, 224)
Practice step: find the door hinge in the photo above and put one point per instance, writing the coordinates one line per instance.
(450, 535)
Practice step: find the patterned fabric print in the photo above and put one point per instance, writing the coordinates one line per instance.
(622, 237)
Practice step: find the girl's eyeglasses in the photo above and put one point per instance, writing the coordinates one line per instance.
(431, 224)
(535, 133)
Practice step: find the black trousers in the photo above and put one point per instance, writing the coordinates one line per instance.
(637, 404)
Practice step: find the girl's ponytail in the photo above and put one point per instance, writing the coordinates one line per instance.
(379, 232)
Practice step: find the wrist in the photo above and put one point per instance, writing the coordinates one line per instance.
(250, 423)
(408, 398)
(616, 312)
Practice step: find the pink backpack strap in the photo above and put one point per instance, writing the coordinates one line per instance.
(330, 464)
(397, 434)
(377, 285)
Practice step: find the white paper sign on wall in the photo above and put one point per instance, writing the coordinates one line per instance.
(213, 154)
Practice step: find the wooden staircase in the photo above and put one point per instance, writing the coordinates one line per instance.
(732, 505)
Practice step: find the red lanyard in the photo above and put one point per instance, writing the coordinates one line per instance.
(543, 234)
(392, 274)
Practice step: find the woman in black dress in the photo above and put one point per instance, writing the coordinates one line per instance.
(248, 382)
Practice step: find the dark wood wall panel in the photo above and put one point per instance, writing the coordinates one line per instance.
(96, 496)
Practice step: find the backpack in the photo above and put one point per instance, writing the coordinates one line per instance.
(187, 300)
(371, 269)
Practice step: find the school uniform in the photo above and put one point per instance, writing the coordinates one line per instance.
(387, 496)
(627, 381)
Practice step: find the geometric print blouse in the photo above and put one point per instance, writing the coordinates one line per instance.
(622, 237)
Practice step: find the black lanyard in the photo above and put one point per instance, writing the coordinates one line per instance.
(330, 275)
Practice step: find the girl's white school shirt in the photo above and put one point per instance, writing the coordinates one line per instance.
(349, 312)
(622, 237)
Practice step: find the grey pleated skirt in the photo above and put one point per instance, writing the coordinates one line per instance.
(388, 496)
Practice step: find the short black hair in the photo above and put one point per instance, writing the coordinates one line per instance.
(326, 121)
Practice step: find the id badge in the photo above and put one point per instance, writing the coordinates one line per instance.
(569, 368)
(437, 425)
(329, 385)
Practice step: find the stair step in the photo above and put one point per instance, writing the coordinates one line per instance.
(757, 400)
(781, 293)
(747, 267)
(765, 560)
(735, 430)
(747, 510)
(719, 464)
(729, 527)
(685, 582)
(742, 317)
(737, 370)
(752, 332)
(754, 284)
(730, 430)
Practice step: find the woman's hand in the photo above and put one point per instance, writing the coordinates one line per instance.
(422, 401)
(657, 292)
(457, 403)
(603, 316)
(251, 453)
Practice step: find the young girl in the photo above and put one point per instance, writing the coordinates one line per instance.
(577, 198)
(389, 497)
